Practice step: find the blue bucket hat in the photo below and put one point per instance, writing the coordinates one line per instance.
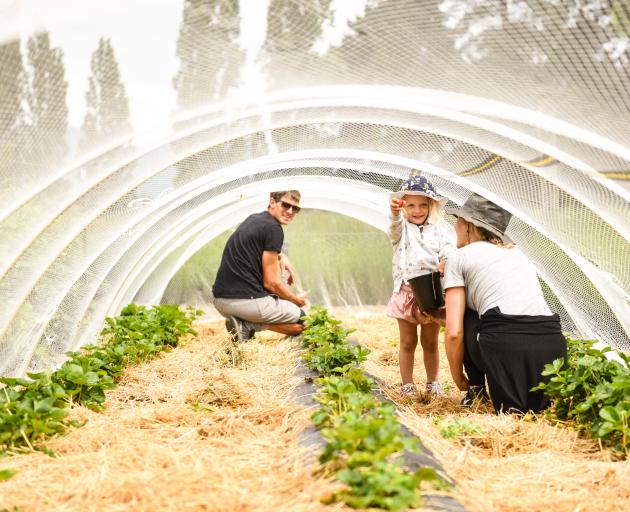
(419, 186)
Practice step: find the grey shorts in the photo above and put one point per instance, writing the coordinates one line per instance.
(260, 312)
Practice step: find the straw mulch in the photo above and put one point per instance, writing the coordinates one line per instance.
(210, 427)
(204, 427)
(514, 465)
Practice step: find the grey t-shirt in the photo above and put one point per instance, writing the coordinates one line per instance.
(496, 276)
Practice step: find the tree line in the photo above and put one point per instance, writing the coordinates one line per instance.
(34, 110)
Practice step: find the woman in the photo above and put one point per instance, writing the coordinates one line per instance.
(498, 325)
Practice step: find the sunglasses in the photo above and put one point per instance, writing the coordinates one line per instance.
(288, 206)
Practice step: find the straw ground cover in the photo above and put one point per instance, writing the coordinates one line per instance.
(204, 427)
(500, 463)
(208, 428)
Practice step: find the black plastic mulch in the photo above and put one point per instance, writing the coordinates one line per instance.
(311, 437)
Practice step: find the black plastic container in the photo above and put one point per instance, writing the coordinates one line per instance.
(427, 290)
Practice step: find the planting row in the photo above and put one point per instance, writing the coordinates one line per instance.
(364, 440)
(591, 392)
(33, 409)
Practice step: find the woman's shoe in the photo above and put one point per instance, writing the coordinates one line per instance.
(474, 393)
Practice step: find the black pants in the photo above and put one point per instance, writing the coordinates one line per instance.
(511, 352)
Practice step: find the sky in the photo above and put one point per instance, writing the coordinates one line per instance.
(145, 50)
(144, 35)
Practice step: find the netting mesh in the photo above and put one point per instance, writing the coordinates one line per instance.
(120, 162)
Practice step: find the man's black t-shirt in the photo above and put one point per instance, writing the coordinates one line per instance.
(240, 273)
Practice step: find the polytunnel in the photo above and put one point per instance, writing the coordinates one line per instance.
(128, 142)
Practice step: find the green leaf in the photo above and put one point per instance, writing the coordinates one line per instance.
(610, 414)
(5, 474)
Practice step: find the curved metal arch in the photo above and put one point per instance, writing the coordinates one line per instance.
(347, 154)
(405, 98)
(441, 173)
(442, 108)
(226, 198)
(438, 171)
(619, 225)
(206, 237)
(498, 201)
(192, 226)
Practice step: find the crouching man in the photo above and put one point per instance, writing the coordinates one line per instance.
(248, 290)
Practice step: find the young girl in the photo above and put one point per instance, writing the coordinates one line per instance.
(422, 240)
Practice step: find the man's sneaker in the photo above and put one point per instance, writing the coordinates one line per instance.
(408, 389)
(474, 393)
(435, 388)
(238, 329)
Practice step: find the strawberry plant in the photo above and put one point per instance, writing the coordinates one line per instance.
(328, 352)
(34, 408)
(85, 381)
(359, 438)
(364, 439)
(161, 325)
(457, 427)
(382, 485)
(328, 359)
(338, 394)
(592, 392)
(320, 328)
(31, 409)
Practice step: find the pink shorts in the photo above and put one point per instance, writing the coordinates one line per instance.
(403, 306)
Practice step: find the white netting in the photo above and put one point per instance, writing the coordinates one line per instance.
(132, 136)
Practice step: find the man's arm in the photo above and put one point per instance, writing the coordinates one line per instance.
(273, 284)
(454, 340)
(285, 264)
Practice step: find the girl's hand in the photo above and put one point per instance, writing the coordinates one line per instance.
(438, 318)
(425, 318)
(396, 205)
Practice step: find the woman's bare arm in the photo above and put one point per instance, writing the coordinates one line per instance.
(454, 340)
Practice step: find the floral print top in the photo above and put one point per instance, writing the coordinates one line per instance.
(418, 248)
